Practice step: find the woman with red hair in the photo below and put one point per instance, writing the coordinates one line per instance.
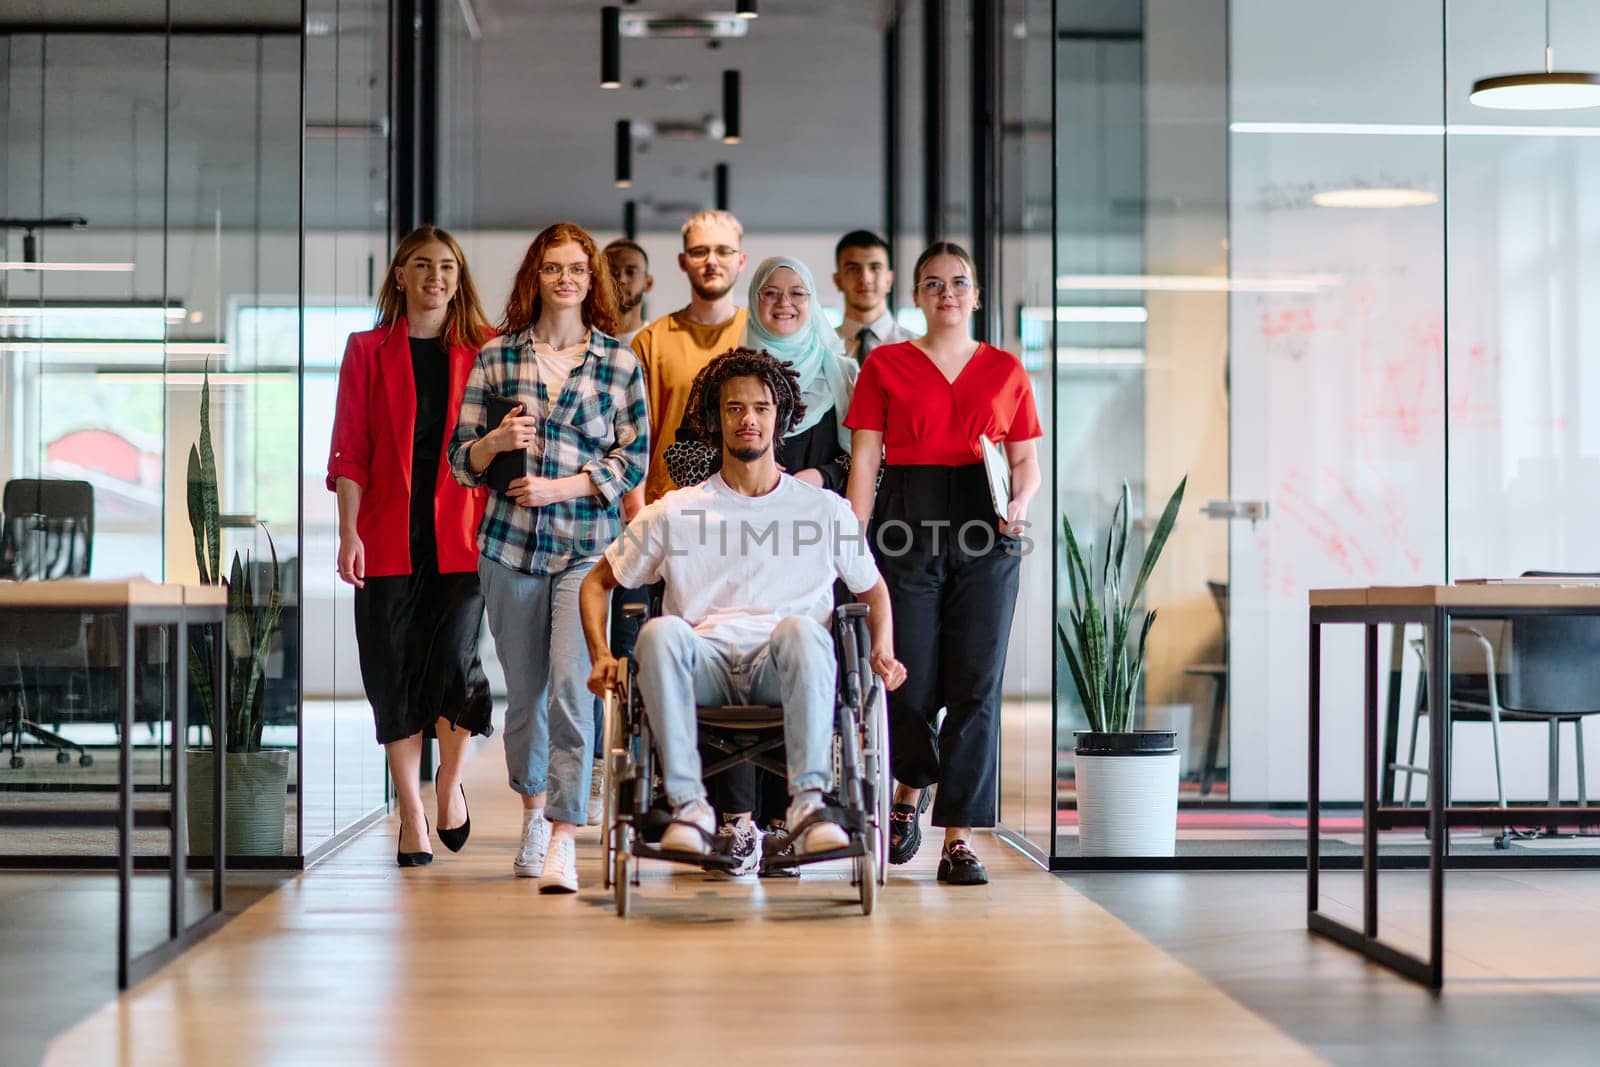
(406, 528)
(575, 416)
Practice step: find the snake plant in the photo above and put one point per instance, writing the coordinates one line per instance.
(252, 612)
(1105, 661)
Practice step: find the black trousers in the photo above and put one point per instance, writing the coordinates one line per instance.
(952, 581)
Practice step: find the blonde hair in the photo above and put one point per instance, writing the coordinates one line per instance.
(717, 217)
(464, 320)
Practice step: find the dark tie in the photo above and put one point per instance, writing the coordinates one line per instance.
(866, 341)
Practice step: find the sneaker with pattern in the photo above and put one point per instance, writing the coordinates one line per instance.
(740, 840)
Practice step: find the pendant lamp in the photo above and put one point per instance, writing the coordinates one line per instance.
(1547, 90)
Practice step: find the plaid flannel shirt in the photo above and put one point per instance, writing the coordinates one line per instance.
(597, 426)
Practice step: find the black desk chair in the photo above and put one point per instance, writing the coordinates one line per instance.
(1534, 669)
(1217, 674)
(47, 532)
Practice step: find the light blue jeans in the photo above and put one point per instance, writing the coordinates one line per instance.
(550, 713)
(679, 669)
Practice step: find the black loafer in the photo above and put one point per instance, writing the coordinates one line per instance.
(456, 836)
(959, 865)
(905, 834)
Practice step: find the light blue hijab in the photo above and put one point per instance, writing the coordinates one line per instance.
(815, 351)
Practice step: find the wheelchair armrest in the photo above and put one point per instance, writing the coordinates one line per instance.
(635, 611)
(851, 611)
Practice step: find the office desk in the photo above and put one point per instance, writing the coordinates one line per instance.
(1432, 607)
(134, 605)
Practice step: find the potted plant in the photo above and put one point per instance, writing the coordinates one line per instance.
(257, 778)
(1127, 779)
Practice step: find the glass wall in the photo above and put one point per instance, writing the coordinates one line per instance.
(153, 242)
(151, 194)
(346, 254)
(1027, 748)
(1297, 265)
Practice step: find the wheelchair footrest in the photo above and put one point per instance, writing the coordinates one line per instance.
(710, 861)
(854, 823)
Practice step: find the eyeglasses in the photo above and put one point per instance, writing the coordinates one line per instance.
(556, 270)
(700, 253)
(935, 286)
(771, 295)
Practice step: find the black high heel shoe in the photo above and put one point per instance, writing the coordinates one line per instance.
(455, 837)
(412, 859)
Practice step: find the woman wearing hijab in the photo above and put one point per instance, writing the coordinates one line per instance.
(784, 322)
(817, 450)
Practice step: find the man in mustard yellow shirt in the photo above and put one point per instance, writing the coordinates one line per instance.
(674, 348)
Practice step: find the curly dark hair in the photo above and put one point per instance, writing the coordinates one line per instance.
(703, 411)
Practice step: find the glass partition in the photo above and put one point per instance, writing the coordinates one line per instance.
(1297, 265)
(346, 253)
(1027, 747)
(155, 253)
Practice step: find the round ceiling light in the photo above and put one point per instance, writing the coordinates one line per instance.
(1546, 90)
(1369, 196)
(1557, 90)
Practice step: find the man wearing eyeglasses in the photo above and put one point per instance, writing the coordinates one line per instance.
(674, 348)
(864, 278)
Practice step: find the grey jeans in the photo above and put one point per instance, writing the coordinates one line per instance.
(679, 669)
(550, 713)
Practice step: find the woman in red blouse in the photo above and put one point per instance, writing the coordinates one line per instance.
(950, 561)
(408, 532)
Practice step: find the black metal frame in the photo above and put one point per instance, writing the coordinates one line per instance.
(862, 804)
(130, 619)
(1438, 816)
(985, 158)
(933, 120)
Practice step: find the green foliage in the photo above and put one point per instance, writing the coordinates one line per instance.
(252, 613)
(1106, 666)
(204, 514)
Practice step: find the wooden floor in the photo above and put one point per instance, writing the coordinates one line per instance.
(358, 962)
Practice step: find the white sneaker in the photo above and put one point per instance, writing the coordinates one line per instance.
(742, 842)
(535, 843)
(688, 820)
(821, 836)
(596, 794)
(560, 873)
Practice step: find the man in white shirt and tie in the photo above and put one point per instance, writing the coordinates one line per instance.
(863, 276)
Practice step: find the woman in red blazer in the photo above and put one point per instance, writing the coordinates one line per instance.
(408, 531)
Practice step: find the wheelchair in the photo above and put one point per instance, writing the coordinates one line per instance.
(636, 809)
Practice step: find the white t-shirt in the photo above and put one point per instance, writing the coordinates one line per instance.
(555, 366)
(734, 565)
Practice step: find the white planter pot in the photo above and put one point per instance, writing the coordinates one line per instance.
(1127, 804)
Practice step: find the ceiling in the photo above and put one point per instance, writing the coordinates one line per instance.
(812, 102)
(526, 135)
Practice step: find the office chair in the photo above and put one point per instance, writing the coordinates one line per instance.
(47, 533)
(1217, 674)
(1532, 669)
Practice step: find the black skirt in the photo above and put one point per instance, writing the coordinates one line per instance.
(417, 633)
(418, 640)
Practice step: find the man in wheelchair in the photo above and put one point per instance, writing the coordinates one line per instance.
(748, 558)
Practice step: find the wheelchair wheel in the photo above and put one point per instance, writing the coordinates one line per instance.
(622, 881)
(608, 814)
(876, 763)
(869, 883)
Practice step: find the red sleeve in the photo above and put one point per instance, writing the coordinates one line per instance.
(869, 406)
(1024, 424)
(350, 452)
